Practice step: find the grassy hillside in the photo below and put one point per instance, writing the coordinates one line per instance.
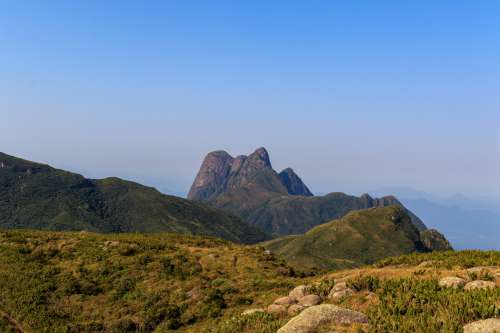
(38, 196)
(86, 282)
(360, 237)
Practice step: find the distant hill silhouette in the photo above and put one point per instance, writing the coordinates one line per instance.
(458, 216)
(37, 196)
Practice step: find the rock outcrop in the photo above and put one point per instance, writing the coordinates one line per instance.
(435, 240)
(212, 177)
(293, 183)
(221, 173)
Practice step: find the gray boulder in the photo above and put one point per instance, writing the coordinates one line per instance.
(299, 292)
(452, 282)
(285, 301)
(310, 300)
(479, 284)
(309, 320)
(276, 309)
(491, 325)
(338, 295)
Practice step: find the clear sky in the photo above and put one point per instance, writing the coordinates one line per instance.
(354, 95)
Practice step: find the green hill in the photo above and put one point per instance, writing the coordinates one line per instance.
(359, 238)
(37, 196)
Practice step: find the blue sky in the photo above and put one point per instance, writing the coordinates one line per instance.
(354, 95)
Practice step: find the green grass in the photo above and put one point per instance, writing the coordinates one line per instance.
(79, 282)
(445, 259)
(421, 306)
(73, 282)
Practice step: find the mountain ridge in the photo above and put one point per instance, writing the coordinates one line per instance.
(38, 196)
(279, 204)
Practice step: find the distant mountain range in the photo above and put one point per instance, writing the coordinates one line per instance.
(467, 223)
(37, 196)
(278, 203)
(240, 199)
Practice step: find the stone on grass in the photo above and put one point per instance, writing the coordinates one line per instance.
(299, 292)
(310, 300)
(276, 309)
(285, 301)
(452, 282)
(309, 320)
(479, 284)
(339, 286)
(295, 309)
(338, 295)
(478, 270)
(483, 326)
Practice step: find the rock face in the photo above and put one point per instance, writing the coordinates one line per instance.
(293, 183)
(491, 325)
(435, 240)
(280, 204)
(220, 173)
(212, 177)
(309, 320)
(452, 282)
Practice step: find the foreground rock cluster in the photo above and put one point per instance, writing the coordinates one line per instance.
(477, 278)
(312, 318)
(307, 311)
(311, 312)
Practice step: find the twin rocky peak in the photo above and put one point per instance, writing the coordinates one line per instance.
(221, 172)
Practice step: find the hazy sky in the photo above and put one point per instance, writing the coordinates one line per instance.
(354, 95)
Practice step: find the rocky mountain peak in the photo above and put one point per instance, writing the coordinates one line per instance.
(260, 158)
(220, 173)
(293, 183)
(212, 177)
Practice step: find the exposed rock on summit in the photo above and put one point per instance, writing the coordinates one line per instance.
(278, 203)
(293, 183)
